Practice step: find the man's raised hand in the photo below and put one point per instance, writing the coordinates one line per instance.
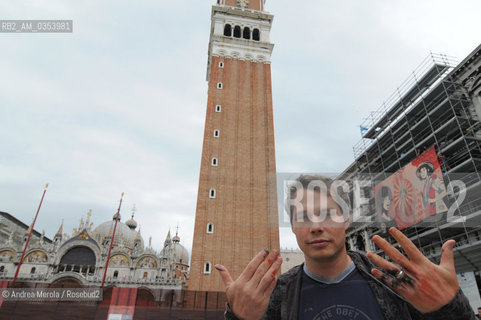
(248, 296)
(425, 285)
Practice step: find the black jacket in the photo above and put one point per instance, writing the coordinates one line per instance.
(284, 301)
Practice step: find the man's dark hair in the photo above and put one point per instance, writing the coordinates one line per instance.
(305, 180)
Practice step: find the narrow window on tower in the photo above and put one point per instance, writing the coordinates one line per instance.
(237, 32)
(216, 133)
(247, 33)
(221, 64)
(218, 108)
(207, 267)
(214, 162)
(210, 228)
(255, 35)
(219, 85)
(116, 274)
(227, 30)
(212, 193)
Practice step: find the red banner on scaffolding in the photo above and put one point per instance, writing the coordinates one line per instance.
(412, 194)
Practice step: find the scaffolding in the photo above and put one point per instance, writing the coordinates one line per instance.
(431, 108)
(427, 75)
(428, 109)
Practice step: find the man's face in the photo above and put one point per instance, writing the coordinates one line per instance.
(479, 312)
(319, 240)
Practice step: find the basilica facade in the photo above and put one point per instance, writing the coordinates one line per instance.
(80, 258)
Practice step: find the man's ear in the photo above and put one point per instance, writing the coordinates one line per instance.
(346, 223)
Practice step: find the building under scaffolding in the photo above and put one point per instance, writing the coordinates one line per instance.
(439, 107)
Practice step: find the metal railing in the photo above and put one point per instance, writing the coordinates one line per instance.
(374, 118)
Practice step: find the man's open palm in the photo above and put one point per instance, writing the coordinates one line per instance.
(248, 296)
(427, 286)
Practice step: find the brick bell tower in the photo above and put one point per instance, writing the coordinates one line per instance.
(236, 214)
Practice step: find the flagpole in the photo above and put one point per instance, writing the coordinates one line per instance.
(29, 235)
(112, 241)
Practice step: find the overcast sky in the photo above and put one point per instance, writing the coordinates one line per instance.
(119, 104)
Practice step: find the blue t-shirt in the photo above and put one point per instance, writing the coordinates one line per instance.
(346, 297)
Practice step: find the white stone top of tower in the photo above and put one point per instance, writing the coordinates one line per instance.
(240, 33)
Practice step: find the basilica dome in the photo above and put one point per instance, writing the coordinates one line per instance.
(124, 234)
(173, 247)
(181, 254)
(131, 223)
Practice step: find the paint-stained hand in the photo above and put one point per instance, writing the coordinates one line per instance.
(427, 286)
(248, 296)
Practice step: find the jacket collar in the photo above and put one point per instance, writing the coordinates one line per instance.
(292, 285)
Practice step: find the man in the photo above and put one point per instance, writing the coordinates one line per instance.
(336, 284)
(478, 316)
